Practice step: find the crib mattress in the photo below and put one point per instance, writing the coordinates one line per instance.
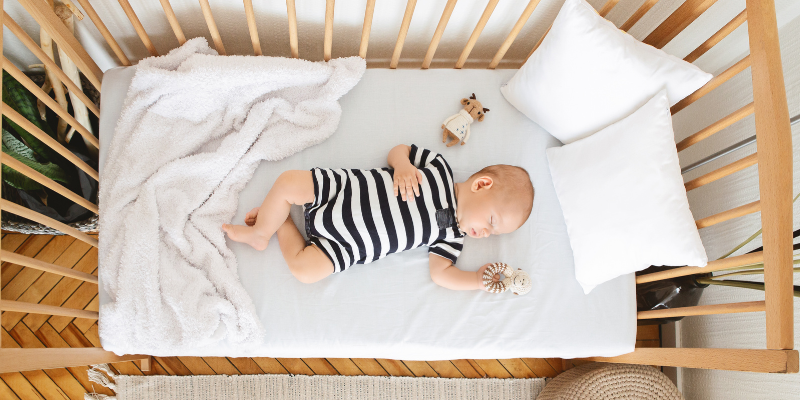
(391, 308)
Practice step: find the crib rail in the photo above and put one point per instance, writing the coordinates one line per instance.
(774, 361)
(774, 159)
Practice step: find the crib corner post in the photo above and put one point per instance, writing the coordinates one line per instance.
(774, 141)
(145, 364)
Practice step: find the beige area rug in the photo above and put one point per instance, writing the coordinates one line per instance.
(322, 387)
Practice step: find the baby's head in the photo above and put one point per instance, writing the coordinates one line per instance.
(497, 199)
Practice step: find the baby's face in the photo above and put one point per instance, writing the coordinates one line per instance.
(483, 214)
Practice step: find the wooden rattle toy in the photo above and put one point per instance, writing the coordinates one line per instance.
(518, 281)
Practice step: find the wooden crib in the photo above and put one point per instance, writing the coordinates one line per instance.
(774, 158)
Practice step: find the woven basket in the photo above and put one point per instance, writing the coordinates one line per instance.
(602, 381)
(15, 223)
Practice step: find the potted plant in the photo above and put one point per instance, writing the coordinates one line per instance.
(25, 148)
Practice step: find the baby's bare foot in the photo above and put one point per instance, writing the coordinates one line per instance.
(246, 234)
(251, 217)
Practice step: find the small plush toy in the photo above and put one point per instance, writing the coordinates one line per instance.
(457, 126)
(518, 281)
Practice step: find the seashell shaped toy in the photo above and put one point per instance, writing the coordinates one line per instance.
(519, 282)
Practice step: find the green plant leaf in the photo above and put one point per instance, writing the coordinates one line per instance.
(16, 149)
(16, 146)
(18, 180)
(22, 101)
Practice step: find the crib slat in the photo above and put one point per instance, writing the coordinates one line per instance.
(774, 138)
(292, 14)
(47, 100)
(513, 34)
(98, 23)
(45, 220)
(712, 266)
(14, 360)
(713, 84)
(437, 35)
(722, 172)
(401, 37)
(251, 25)
(19, 259)
(473, 38)
(368, 11)
(53, 185)
(212, 26)
(49, 63)
(717, 37)
(328, 43)
(731, 308)
(677, 22)
(33, 308)
(607, 7)
(173, 21)
(65, 39)
(730, 214)
(729, 120)
(638, 15)
(137, 25)
(1, 110)
(775, 361)
(46, 139)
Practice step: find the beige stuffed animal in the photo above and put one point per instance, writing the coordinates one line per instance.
(457, 126)
(519, 282)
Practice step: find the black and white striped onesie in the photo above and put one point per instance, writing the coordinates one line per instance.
(356, 218)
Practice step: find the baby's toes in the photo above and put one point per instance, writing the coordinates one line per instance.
(227, 229)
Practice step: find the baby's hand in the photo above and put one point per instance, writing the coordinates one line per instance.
(481, 286)
(406, 181)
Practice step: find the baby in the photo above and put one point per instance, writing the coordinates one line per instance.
(359, 216)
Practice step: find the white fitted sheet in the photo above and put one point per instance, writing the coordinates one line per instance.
(391, 308)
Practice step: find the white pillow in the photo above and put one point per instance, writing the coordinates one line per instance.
(587, 74)
(623, 198)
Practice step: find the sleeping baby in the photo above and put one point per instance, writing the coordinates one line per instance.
(359, 216)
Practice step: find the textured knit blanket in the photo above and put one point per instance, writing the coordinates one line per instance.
(194, 127)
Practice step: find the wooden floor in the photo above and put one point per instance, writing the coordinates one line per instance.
(32, 331)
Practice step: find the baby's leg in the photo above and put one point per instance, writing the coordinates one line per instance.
(307, 263)
(292, 187)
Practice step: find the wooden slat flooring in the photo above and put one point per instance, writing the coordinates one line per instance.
(37, 331)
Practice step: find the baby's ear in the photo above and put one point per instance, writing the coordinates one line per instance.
(482, 182)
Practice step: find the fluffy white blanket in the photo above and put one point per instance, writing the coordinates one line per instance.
(194, 127)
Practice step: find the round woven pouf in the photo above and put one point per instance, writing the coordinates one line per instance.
(596, 381)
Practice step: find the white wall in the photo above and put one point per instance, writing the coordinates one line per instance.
(745, 330)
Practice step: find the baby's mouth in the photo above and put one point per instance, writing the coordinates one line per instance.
(472, 232)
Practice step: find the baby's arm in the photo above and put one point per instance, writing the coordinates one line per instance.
(445, 274)
(398, 156)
